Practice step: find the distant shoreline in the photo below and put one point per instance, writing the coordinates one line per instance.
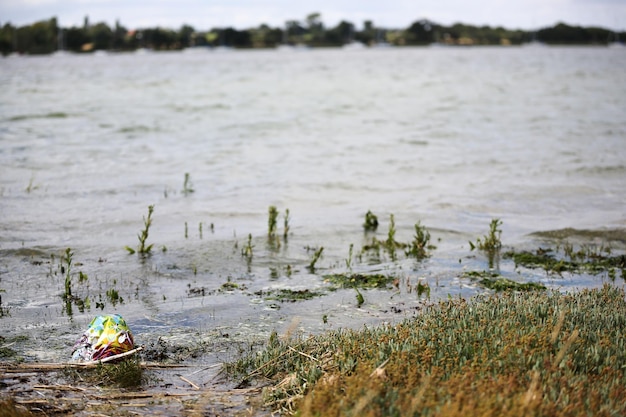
(47, 37)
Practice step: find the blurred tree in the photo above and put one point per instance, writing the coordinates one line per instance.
(75, 38)
(294, 32)
(7, 39)
(186, 37)
(236, 38)
(421, 32)
(43, 37)
(101, 36)
(119, 37)
(38, 38)
(315, 29)
(265, 37)
(340, 34)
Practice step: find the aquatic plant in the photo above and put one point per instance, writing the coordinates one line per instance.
(31, 185)
(490, 244)
(549, 354)
(246, 251)
(360, 280)
(316, 256)
(349, 259)
(229, 285)
(390, 244)
(114, 296)
(587, 259)
(496, 282)
(371, 222)
(187, 186)
(423, 289)
(286, 225)
(359, 298)
(144, 249)
(289, 295)
(67, 267)
(4, 311)
(420, 244)
(272, 221)
(491, 241)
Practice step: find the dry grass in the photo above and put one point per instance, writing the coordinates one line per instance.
(507, 355)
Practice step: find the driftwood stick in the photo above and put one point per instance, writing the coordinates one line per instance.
(34, 368)
(189, 382)
(111, 358)
(59, 387)
(306, 355)
(379, 370)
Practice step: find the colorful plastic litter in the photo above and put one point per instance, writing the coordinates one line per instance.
(106, 336)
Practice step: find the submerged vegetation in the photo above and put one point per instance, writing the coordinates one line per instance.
(359, 280)
(513, 354)
(587, 259)
(496, 282)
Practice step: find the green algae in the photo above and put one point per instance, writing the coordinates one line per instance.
(579, 262)
(289, 295)
(355, 280)
(496, 282)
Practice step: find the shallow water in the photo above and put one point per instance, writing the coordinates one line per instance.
(451, 137)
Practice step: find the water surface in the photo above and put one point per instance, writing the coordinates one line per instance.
(450, 137)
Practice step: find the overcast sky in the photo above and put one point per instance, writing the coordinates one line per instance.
(243, 14)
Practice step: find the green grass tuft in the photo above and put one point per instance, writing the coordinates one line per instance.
(517, 353)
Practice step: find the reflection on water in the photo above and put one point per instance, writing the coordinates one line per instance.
(449, 137)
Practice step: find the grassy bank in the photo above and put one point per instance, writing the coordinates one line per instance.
(509, 355)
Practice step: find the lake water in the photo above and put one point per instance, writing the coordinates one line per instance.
(450, 137)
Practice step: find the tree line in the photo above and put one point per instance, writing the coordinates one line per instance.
(47, 36)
